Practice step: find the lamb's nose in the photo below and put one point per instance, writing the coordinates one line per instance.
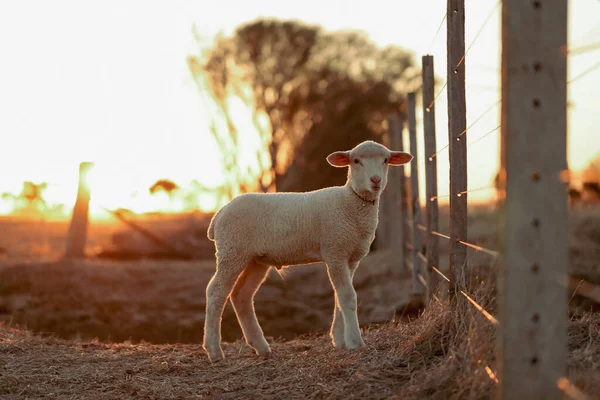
(375, 179)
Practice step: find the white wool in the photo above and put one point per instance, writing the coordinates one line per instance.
(334, 225)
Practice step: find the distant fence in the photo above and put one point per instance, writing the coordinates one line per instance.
(533, 267)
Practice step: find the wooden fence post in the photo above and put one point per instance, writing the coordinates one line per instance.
(382, 235)
(77, 235)
(457, 139)
(403, 193)
(431, 193)
(419, 275)
(533, 302)
(396, 210)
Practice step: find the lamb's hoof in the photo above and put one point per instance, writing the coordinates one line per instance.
(215, 355)
(265, 354)
(338, 344)
(355, 344)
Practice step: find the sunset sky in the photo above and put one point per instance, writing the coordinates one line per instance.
(107, 81)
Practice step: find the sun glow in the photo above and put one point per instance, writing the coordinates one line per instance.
(126, 99)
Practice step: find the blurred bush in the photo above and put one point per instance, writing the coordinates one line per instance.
(310, 92)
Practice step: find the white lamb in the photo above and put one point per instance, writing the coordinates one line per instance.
(335, 225)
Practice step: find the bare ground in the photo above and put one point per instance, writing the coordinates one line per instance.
(129, 305)
(164, 302)
(414, 360)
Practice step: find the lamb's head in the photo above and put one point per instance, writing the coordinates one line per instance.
(368, 162)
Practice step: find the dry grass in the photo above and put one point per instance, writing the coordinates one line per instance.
(436, 356)
(439, 355)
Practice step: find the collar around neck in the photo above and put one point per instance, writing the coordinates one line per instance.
(363, 199)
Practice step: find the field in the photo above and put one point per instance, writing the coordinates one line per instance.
(107, 329)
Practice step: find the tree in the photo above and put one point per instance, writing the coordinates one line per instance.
(310, 91)
(30, 202)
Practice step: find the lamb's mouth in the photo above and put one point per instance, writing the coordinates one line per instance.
(376, 188)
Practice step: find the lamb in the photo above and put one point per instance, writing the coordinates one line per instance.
(335, 225)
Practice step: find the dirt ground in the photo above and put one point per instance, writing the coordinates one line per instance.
(413, 360)
(163, 302)
(102, 329)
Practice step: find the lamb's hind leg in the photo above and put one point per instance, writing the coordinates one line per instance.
(217, 293)
(242, 299)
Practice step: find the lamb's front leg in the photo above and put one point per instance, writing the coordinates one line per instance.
(341, 278)
(337, 327)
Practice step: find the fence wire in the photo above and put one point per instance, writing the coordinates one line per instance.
(588, 290)
(584, 73)
(477, 34)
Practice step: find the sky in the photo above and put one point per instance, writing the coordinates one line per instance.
(107, 81)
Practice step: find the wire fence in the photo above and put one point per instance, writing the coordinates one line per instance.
(419, 249)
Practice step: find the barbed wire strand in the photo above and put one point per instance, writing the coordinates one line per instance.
(490, 108)
(475, 190)
(478, 33)
(440, 273)
(437, 32)
(423, 281)
(479, 248)
(581, 49)
(491, 374)
(440, 235)
(486, 134)
(492, 253)
(438, 152)
(459, 194)
(584, 73)
(441, 196)
(428, 109)
(571, 390)
(482, 310)
(470, 144)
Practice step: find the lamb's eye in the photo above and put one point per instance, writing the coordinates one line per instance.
(356, 161)
(385, 160)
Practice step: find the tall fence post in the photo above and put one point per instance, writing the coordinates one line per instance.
(533, 306)
(397, 211)
(77, 235)
(382, 235)
(419, 275)
(457, 139)
(431, 192)
(403, 193)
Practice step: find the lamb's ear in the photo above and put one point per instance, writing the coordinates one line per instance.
(399, 158)
(339, 159)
